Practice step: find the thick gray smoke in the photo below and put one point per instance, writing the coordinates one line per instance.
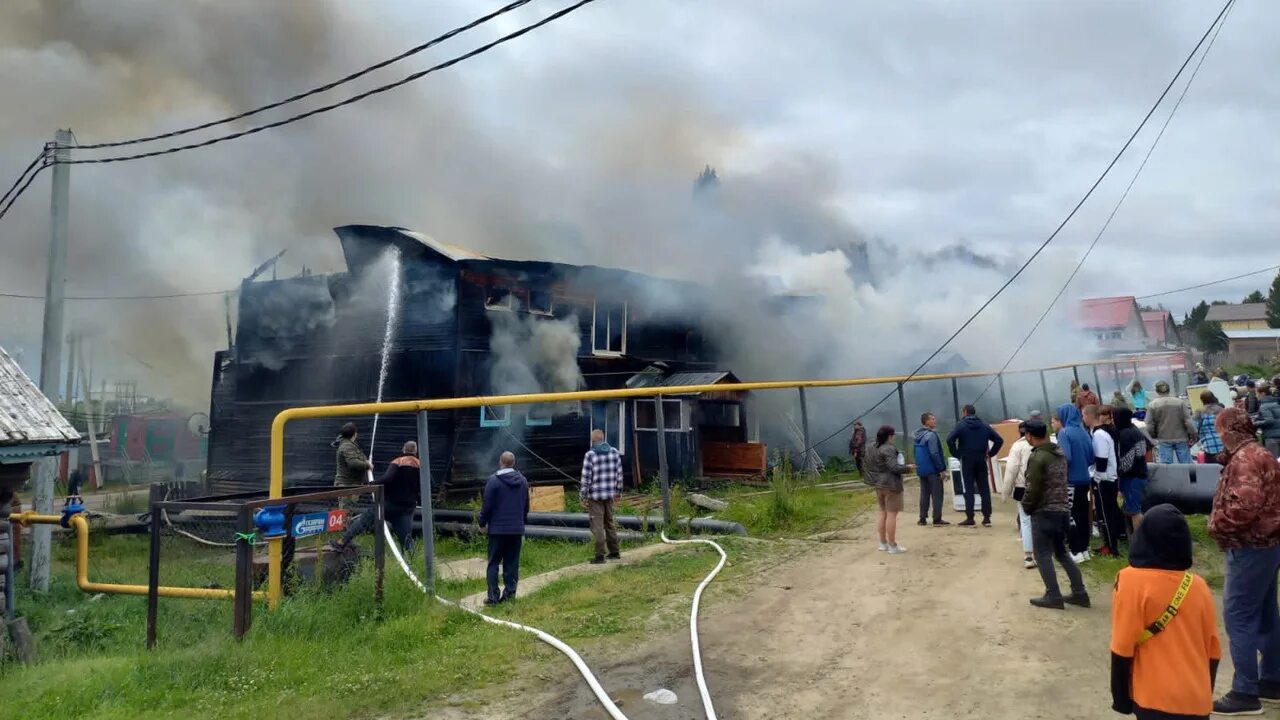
(533, 355)
(600, 173)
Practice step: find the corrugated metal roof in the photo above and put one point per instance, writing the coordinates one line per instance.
(1242, 311)
(1252, 334)
(653, 379)
(26, 415)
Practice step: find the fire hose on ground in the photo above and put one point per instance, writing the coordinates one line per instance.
(578, 662)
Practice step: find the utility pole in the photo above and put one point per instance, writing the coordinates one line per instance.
(70, 395)
(46, 470)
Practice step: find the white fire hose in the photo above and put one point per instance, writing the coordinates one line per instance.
(592, 681)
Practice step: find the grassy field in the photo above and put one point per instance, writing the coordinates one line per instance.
(1207, 559)
(326, 653)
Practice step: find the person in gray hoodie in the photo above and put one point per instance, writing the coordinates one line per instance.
(930, 465)
(504, 513)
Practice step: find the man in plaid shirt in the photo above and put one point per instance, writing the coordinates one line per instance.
(601, 485)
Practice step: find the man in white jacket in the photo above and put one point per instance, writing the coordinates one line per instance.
(1015, 484)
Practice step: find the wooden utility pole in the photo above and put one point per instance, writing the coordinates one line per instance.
(87, 382)
(46, 470)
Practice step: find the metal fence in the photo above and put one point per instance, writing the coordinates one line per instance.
(1120, 368)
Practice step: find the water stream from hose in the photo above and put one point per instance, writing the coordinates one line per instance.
(388, 332)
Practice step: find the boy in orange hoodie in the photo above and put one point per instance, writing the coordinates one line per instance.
(1164, 661)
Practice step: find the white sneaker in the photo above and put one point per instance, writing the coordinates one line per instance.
(896, 550)
(1079, 558)
(884, 547)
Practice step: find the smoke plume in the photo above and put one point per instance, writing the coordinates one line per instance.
(599, 172)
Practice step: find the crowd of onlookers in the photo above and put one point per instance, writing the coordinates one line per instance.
(1085, 477)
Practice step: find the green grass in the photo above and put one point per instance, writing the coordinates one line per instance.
(326, 653)
(794, 506)
(1207, 559)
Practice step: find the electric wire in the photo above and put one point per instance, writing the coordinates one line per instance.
(41, 156)
(1114, 210)
(1052, 236)
(1208, 284)
(310, 113)
(318, 89)
(20, 186)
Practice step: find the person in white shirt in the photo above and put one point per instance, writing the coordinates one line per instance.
(1015, 484)
(1105, 491)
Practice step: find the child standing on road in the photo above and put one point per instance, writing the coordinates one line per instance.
(1164, 628)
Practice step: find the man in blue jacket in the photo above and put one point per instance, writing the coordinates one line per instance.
(505, 510)
(930, 465)
(1078, 447)
(973, 441)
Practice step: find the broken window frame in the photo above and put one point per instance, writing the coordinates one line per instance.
(678, 426)
(548, 310)
(621, 435)
(608, 350)
(500, 416)
(508, 302)
(534, 416)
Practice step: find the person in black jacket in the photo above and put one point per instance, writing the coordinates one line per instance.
(973, 441)
(401, 491)
(503, 515)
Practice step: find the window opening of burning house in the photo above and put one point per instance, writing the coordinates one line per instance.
(540, 303)
(540, 414)
(499, 297)
(611, 416)
(672, 415)
(609, 328)
(495, 415)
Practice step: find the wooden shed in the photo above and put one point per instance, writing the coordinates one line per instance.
(706, 433)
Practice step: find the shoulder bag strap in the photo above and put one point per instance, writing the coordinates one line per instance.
(1170, 612)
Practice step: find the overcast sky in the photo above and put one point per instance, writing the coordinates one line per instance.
(922, 123)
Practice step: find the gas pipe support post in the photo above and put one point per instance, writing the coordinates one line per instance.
(428, 521)
(663, 477)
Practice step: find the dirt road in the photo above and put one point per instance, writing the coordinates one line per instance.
(844, 631)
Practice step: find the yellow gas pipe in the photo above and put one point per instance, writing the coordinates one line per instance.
(81, 527)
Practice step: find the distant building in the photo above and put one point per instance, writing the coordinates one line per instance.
(1253, 346)
(1162, 331)
(1115, 322)
(1239, 316)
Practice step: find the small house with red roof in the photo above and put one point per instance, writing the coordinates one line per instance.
(1115, 322)
(1162, 331)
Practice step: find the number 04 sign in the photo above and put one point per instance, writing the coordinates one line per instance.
(317, 523)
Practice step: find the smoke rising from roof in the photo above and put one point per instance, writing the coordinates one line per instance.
(589, 161)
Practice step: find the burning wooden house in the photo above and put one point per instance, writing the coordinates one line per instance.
(464, 324)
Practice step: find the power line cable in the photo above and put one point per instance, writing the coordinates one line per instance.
(1114, 210)
(1146, 118)
(41, 156)
(319, 89)
(342, 103)
(317, 111)
(20, 186)
(1208, 284)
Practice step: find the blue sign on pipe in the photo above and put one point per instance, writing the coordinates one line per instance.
(310, 524)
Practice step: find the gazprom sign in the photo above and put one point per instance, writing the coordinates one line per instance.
(317, 523)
